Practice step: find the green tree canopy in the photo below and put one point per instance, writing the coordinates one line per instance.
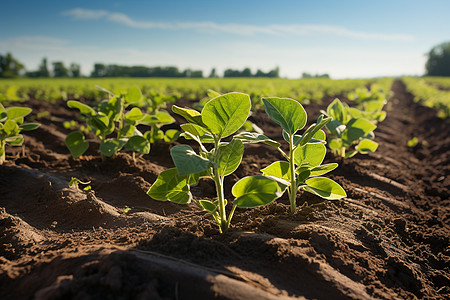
(9, 66)
(438, 63)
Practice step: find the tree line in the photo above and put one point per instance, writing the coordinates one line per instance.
(10, 67)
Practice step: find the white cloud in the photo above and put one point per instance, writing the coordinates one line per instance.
(85, 14)
(239, 29)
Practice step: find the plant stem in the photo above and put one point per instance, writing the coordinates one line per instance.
(3, 156)
(293, 186)
(343, 152)
(220, 195)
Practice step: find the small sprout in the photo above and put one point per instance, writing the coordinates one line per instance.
(413, 142)
(75, 182)
(11, 126)
(126, 210)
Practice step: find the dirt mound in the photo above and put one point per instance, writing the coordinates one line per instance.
(388, 239)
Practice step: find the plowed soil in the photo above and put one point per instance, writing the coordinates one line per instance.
(388, 239)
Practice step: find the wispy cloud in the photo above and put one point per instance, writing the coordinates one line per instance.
(234, 28)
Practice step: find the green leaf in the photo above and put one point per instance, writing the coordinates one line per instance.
(366, 146)
(127, 130)
(84, 109)
(11, 128)
(303, 174)
(230, 157)
(76, 143)
(191, 115)
(169, 186)
(357, 128)
(171, 135)
(139, 144)
(287, 113)
(337, 111)
(164, 118)
(111, 146)
(278, 169)
(349, 154)
(197, 133)
(134, 115)
(313, 129)
(133, 95)
(324, 188)
(320, 135)
(188, 162)
(16, 112)
(29, 126)
(253, 137)
(336, 128)
(208, 205)
(323, 169)
(335, 144)
(313, 154)
(225, 114)
(111, 108)
(16, 140)
(256, 190)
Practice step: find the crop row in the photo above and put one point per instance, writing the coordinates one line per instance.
(114, 122)
(429, 95)
(303, 90)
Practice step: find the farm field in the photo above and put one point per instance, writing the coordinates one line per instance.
(388, 238)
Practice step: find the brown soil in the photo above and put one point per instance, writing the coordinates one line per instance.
(388, 239)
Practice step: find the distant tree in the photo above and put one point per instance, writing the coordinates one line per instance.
(75, 70)
(308, 75)
(43, 69)
(99, 70)
(438, 63)
(213, 73)
(9, 66)
(59, 70)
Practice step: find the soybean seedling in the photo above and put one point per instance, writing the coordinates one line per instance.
(349, 135)
(303, 163)
(11, 127)
(220, 118)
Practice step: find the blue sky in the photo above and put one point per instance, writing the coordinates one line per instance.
(347, 39)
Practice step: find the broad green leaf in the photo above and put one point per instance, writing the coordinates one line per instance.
(335, 144)
(253, 137)
(208, 205)
(320, 135)
(188, 162)
(230, 157)
(16, 140)
(134, 115)
(256, 190)
(84, 109)
(127, 130)
(111, 146)
(323, 169)
(303, 174)
(76, 143)
(197, 133)
(366, 146)
(325, 188)
(287, 113)
(139, 144)
(17, 112)
(133, 95)
(357, 128)
(337, 111)
(29, 126)
(278, 169)
(225, 114)
(313, 154)
(191, 115)
(164, 117)
(169, 186)
(100, 122)
(171, 135)
(11, 128)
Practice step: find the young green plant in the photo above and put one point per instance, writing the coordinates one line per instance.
(303, 165)
(107, 118)
(220, 118)
(349, 134)
(11, 126)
